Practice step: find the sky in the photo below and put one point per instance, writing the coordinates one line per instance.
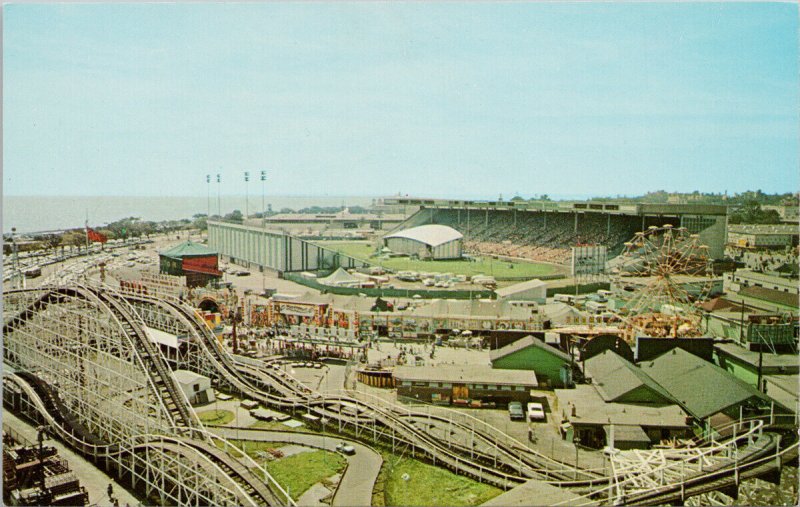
(462, 100)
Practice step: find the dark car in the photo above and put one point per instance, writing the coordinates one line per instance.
(515, 411)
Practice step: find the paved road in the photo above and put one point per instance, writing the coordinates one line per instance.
(355, 488)
(92, 478)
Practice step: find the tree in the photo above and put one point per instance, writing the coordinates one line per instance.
(751, 213)
(234, 216)
(517, 198)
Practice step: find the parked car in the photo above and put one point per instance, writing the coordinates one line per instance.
(345, 448)
(535, 412)
(515, 411)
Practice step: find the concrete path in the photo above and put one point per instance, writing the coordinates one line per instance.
(92, 478)
(355, 488)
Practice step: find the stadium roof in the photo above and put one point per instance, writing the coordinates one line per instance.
(433, 235)
(688, 379)
(187, 249)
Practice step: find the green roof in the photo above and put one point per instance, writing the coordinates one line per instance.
(701, 388)
(616, 377)
(524, 343)
(187, 249)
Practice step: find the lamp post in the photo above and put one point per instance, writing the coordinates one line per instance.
(576, 441)
(208, 196)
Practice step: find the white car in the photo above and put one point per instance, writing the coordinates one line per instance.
(535, 412)
(346, 449)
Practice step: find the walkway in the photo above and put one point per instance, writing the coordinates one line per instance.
(355, 488)
(92, 478)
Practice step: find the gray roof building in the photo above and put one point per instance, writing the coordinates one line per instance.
(619, 380)
(702, 388)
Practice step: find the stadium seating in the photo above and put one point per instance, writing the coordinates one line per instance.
(538, 236)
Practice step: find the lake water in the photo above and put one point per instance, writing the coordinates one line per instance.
(40, 213)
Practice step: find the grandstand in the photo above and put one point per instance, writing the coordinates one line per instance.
(545, 232)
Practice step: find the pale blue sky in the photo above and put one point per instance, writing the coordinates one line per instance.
(451, 99)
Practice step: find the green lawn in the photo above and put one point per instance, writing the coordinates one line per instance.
(252, 447)
(299, 472)
(275, 425)
(295, 473)
(218, 417)
(430, 485)
(484, 265)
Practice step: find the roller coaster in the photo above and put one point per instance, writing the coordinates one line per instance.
(84, 364)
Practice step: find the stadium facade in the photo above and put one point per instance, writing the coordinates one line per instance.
(258, 248)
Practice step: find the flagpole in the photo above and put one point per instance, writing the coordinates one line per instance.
(87, 231)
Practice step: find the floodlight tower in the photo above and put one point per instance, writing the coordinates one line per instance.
(219, 206)
(263, 205)
(246, 203)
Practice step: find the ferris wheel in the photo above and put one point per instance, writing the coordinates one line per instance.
(660, 280)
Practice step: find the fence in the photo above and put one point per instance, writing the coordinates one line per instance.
(392, 293)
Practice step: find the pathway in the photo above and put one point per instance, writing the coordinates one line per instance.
(355, 488)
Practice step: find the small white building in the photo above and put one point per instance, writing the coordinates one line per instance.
(426, 241)
(532, 290)
(196, 387)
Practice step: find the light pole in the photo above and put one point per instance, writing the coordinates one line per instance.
(263, 205)
(246, 203)
(219, 206)
(208, 196)
(576, 441)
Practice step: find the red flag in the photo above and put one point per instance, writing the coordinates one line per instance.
(95, 236)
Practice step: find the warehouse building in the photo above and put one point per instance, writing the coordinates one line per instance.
(426, 242)
(763, 236)
(471, 385)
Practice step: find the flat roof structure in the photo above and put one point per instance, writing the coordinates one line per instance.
(538, 493)
(785, 363)
(592, 409)
(432, 234)
(772, 296)
(518, 288)
(187, 377)
(467, 374)
(758, 229)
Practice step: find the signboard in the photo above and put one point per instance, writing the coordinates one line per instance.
(297, 309)
(589, 260)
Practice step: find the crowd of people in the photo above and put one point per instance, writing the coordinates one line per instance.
(538, 236)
